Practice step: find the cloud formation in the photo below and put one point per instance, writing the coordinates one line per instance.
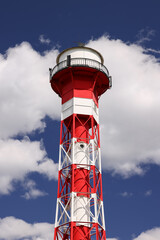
(145, 35)
(12, 228)
(44, 40)
(152, 234)
(18, 159)
(111, 238)
(126, 194)
(148, 193)
(32, 191)
(26, 97)
(129, 112)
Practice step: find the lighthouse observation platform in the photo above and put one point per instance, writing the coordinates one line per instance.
(80, 57)
(79, 62)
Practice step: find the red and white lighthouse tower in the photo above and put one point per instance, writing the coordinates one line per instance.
(79, 78)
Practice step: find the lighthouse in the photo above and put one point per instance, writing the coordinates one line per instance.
(80, 78)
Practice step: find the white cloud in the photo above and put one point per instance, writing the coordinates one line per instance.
(12, 228)
(111, 238)
(148, 193)
(129, 112)
(126, 194)
(153, 50)
(44, 40)
(152, 234)
(26, 99)
(32, 191)
(145, 35)
(18, 158)
(25, 93)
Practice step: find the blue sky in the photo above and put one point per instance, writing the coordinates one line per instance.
(32, 34)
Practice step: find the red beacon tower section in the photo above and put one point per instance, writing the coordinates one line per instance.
(79, 78)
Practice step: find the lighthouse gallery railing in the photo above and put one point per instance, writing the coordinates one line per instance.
(85, 62)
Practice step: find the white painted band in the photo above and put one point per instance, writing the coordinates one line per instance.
(83, 106)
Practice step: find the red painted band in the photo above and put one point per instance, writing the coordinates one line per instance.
(79, 94)
(80, 232)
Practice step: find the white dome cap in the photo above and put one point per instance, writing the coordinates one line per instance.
(80, 52)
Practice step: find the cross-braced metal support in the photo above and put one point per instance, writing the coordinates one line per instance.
(79, 212)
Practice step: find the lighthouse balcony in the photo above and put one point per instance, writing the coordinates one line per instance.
(79, 62)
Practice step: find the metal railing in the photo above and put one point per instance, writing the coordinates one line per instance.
(74, 62)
